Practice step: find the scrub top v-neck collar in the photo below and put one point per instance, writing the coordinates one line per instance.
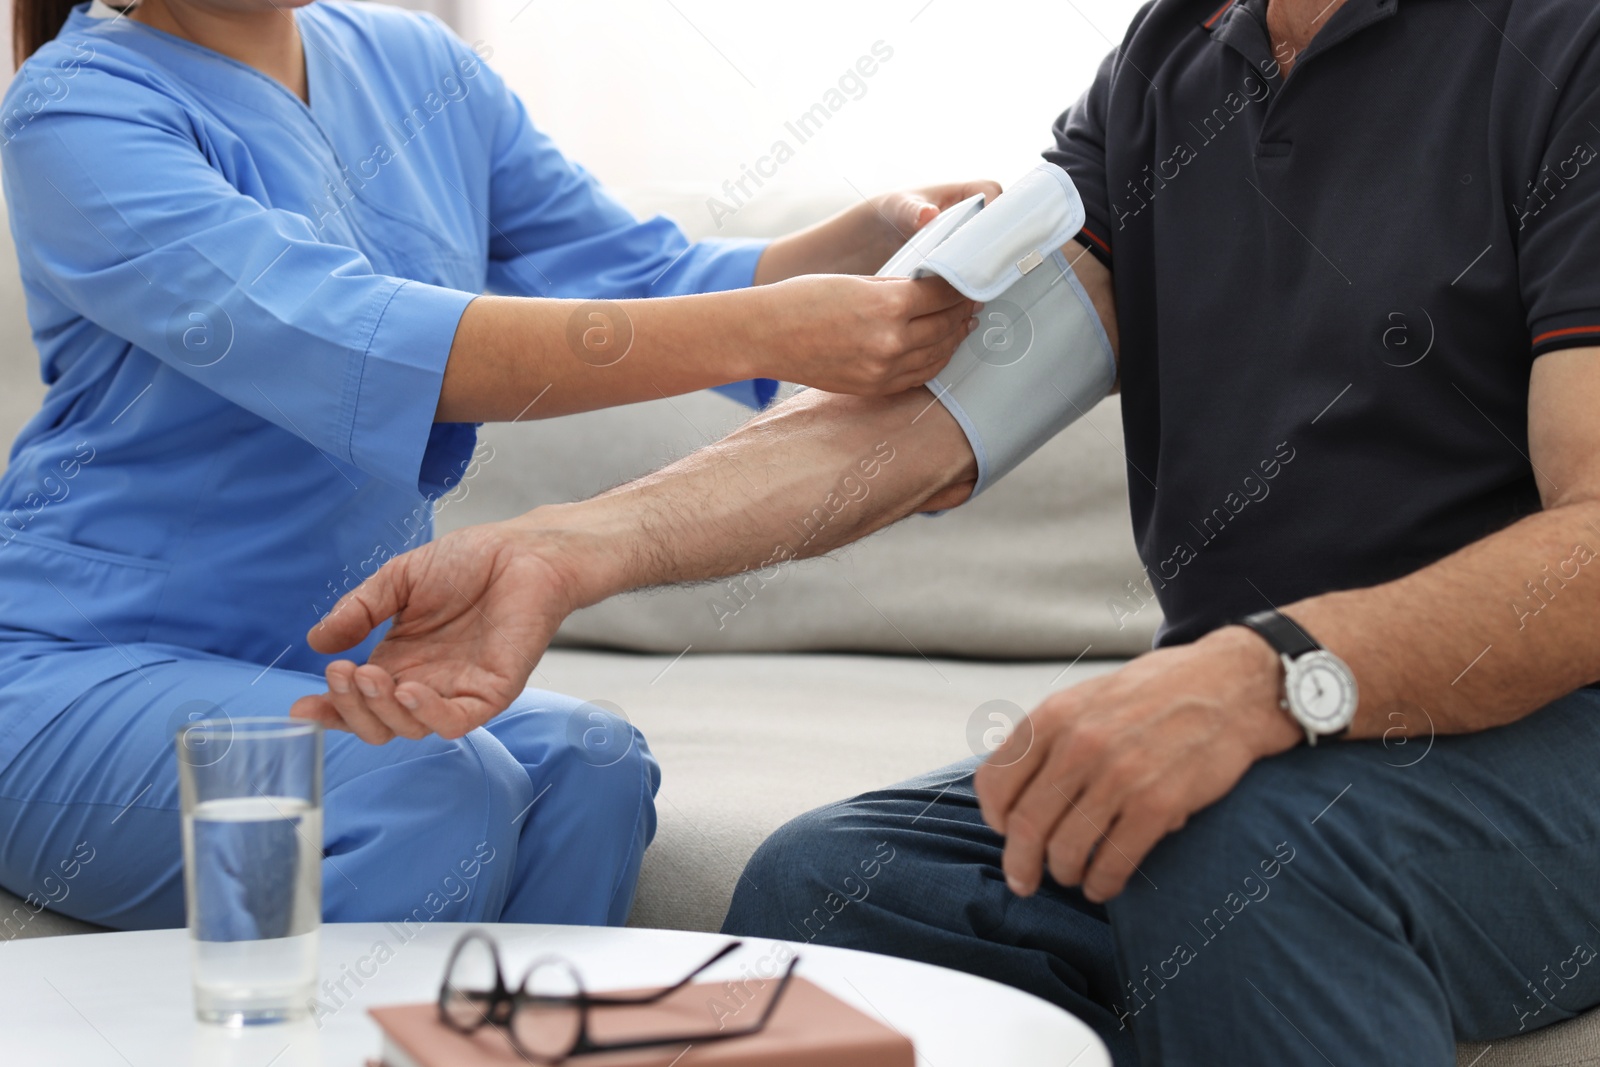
(217, 74)
(100, 11)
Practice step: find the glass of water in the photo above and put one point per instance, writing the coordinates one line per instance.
(252, 865)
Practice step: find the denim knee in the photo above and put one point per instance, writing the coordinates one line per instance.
(785, 860)
(811, 872)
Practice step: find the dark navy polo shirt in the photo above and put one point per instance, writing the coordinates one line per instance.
(1331, 287)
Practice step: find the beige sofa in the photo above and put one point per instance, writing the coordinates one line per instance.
(765, 699)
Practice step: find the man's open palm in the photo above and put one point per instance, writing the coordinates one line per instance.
(472, 617)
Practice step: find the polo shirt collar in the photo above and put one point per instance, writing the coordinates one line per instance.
(1241, 24)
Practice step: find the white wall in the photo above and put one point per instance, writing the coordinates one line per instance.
(675, 97)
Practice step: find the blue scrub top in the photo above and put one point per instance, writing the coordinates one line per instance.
(243, 307)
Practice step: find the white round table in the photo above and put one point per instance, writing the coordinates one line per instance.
(123, 1000)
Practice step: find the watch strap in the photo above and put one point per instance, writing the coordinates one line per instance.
(1281, 632)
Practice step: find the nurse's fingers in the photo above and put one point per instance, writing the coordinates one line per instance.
(351, 706)
(930, 330)
(375, 684)
(928, 296)
(910, 210)
(927, 362)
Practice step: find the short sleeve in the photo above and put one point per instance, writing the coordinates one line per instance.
(1080, 150)
(1558, 224)
(119, 216)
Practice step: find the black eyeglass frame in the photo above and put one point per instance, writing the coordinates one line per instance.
(498, 1007)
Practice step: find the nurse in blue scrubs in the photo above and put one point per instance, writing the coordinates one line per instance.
(253, 240)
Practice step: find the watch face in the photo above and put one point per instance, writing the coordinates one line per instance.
(1322, 692)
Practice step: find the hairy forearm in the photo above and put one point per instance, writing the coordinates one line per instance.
(1505, 625)
(515, 357)
(1481, 638)
(815, 473)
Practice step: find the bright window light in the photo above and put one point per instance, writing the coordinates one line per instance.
(821, 99)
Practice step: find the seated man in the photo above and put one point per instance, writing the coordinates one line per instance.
(1349, 253)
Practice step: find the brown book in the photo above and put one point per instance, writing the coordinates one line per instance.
(810, 1028)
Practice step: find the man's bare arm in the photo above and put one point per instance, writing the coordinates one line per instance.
(1506, 625)
(474, 610)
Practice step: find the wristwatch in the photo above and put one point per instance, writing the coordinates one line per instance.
(1319, 690)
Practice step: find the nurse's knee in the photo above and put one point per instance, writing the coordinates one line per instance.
(429, 833)
(589, 749)
(600, 736)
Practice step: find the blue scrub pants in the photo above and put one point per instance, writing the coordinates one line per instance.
(543, 815)
(1348, 904)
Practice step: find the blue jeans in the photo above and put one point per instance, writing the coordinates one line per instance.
(1352, 903)
(542, 815)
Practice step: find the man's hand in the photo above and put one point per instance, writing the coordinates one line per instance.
(861, 239)
(472, 612)
(1101, 772)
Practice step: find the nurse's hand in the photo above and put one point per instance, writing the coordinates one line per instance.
(861, 336)
(861, 239)
(472, 616)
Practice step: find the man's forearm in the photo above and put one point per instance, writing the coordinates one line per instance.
(813, 474)
(790, 484)
(1505, 625)
(1479, 639)
(473, 611)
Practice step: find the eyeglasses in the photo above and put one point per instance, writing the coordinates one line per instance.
(547, 1017)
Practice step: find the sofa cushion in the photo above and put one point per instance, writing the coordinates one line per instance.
(747, 742)
(1574, 1043)
(19, 919)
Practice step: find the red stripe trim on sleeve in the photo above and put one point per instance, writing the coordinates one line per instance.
(1098, 241)
(1573, 331)
(1223, 10)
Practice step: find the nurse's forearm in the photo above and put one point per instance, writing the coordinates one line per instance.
(516, 357)
(512, 359)
(809, 476)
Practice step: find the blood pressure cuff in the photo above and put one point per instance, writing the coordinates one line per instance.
(1040, 358)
